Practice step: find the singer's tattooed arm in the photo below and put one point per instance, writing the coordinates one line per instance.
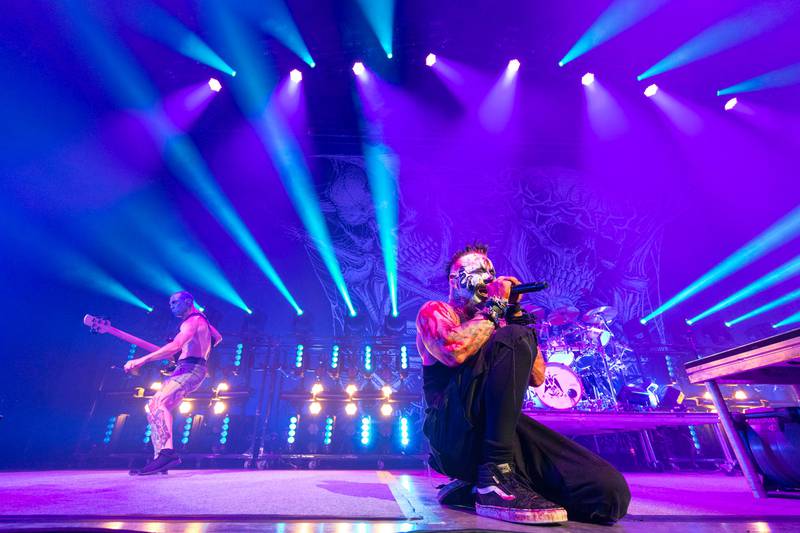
(446, 338)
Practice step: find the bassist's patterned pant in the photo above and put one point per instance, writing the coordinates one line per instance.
(186, 379)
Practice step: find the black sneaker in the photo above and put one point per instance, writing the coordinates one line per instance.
(166, 459)
(457, 493)
(501, 494)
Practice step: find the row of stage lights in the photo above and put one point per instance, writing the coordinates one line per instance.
(350, 408)
(334, 362)
(513, 66)
(365, 430)
(218, 406)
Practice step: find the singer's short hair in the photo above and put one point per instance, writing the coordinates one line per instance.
(474, 248)
(183, 295)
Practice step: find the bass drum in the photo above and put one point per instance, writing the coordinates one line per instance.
(562, 388)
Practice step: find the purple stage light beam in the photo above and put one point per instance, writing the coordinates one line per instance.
(495, 111)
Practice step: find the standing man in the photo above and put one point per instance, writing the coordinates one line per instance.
(194, 341)
(478, 359)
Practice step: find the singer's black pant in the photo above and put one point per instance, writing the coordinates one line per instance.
(477, 418)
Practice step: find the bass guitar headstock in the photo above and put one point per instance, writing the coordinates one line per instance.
(97, 324)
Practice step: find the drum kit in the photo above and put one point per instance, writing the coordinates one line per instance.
(585, 364)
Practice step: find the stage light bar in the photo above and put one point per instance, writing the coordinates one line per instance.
(730, 104)
(223, 434)
(724, 35)
(214, 85)
(296, 76)
(298, 359)
(328, 431)
(366, 430)
(187, 430)
(112, 422)
(403, 358)
(776, 235)
(782, 77)
(358, 68)
(335, 356)
(404, 435)
(148, 432)
(292, 433)
(783, 272)
(618, 17)
(430, 59)
(651, 90)
(237, 359)
(587, 79)
(786, 298)
(368, 358)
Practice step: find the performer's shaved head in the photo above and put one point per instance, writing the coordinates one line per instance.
(181, 303)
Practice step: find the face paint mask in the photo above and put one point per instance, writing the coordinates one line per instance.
(473, 275)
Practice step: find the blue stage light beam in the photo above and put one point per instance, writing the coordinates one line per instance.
(275, 19)
(618, 17)
(793, 319)
(783, 300)
(783, 272)
(161, 26)
(296, 178)
(253, 94)
(784, 230)
(725, 34)
(179, 152)
(382, 171)
(63, 261)
(380, 15)
(782, 77)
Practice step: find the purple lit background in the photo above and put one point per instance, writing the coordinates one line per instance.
(676, 179)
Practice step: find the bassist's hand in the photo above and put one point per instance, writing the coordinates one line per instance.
(133, 365)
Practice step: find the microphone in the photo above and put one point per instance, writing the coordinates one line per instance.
(529, 287)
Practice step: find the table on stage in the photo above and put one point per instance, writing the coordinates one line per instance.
(771, 361)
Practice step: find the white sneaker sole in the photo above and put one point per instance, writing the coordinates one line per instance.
(523, 516)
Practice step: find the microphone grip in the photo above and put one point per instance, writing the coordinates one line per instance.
(529, 287)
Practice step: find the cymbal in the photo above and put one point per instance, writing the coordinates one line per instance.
(563, 315)
(536, 311)
(598, 315)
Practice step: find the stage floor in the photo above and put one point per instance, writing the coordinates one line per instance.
(342, 501)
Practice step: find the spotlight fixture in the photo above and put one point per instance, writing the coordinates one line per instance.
(730, 104)
(587, 79)
(739, 394)
(358, 70)
(390, 55)
(351, 389)
(317, 388)
(430, 59)
(185, 407)
(223, 387)
(219, 407)
(386, 409)
(214, 85)
(386, 390)
(296, 76)
(315, 408)
(156, 385)
(513, 65)
(350, 409)
(651, 90)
